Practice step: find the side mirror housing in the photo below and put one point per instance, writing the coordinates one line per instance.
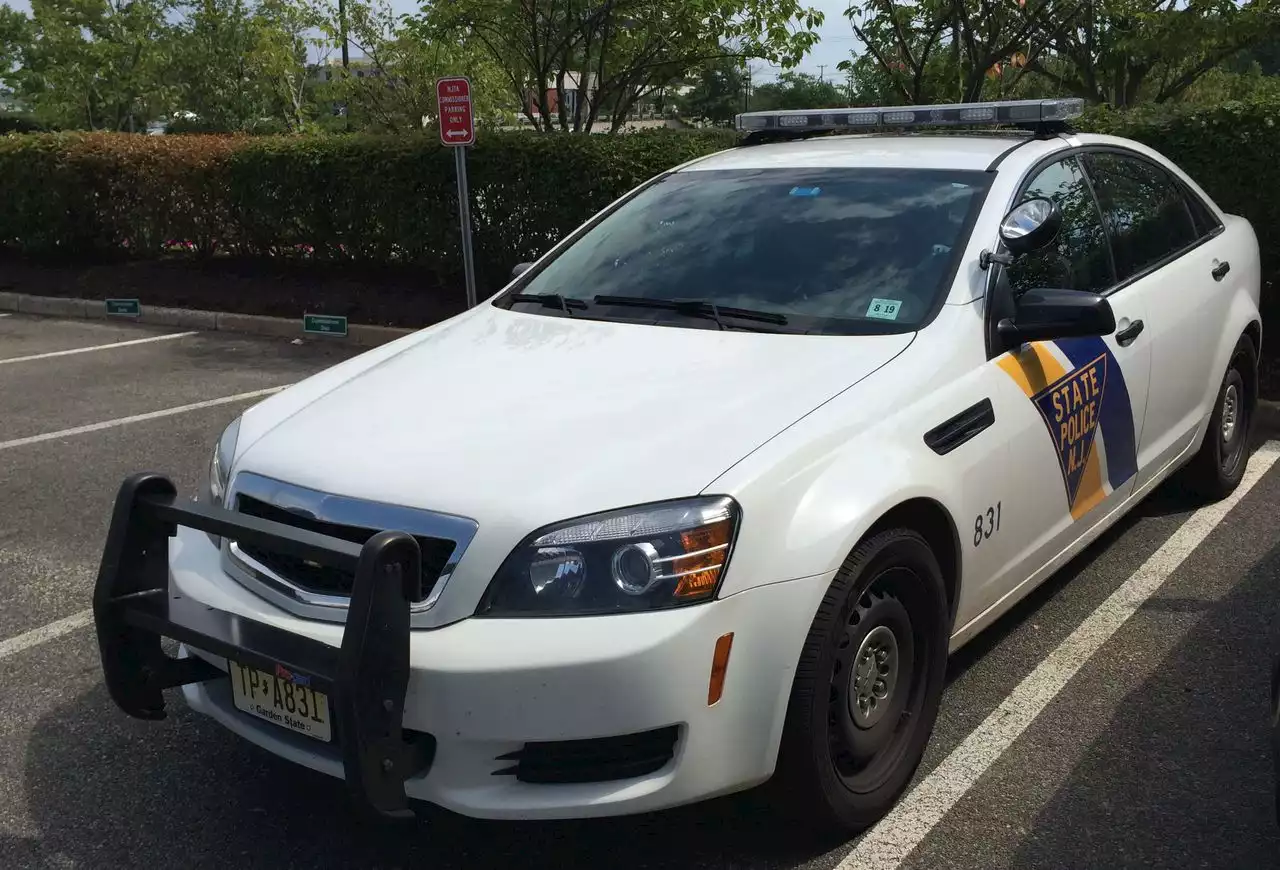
(1043, 315)
(1030, 225)
(520, 269)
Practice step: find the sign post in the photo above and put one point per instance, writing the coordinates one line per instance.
(457, 131)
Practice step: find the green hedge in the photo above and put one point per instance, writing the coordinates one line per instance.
(354, 199)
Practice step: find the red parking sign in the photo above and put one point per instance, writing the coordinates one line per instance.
(457, 125)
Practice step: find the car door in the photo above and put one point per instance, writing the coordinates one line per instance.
(1074, 454)
(1168, 258)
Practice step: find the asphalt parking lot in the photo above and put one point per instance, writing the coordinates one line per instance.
(1116, 718)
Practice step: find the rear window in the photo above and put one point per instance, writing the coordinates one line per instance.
(843, 251)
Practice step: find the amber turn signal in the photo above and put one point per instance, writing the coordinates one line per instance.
(719, 668)
(700, 569)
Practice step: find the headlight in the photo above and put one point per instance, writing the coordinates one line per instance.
(215, 487)
(642, 558)
(220, 463)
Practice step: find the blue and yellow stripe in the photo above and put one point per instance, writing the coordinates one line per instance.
(1040, 371)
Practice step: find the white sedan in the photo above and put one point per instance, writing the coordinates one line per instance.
(704, 498)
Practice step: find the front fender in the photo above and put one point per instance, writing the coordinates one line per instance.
(810, 524)
(811, 493)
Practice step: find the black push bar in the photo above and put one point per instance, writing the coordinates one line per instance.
(366, 679)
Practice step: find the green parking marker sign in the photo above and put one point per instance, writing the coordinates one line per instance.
(124, 307)
(324, 324)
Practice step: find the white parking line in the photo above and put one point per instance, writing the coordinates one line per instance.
(35, 356)
(889, 843)
(137, 418)
(45, 632)
(10, 314)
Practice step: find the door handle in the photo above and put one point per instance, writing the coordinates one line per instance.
(1220, 271)
(1126, 336)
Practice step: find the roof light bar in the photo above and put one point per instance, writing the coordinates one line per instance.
(1020, 112)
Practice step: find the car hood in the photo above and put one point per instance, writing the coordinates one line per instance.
(499, 415)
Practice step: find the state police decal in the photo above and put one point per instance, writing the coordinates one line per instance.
(1070, 409)
(1079, 390)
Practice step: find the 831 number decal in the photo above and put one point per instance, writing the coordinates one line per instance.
(986, 525)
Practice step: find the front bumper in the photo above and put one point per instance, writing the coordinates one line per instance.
(488, 691)
(365, 676)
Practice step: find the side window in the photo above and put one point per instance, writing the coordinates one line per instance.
(1206, 221)
(1078, 258)
(1146, 215)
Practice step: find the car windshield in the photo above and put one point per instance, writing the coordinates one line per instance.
(834, 250)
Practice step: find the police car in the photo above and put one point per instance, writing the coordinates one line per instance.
(706, 496)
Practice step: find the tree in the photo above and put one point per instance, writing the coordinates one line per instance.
(394, 88)
(15, 36)
(97, 64)
(1123, 51)
(1106, 51)
(215, 66)
(618, 50)
(283, 33)
(944, 50)
(716, 91)
(1266, 54)
(797, 90)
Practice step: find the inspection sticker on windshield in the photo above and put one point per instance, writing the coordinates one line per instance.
(884, 309)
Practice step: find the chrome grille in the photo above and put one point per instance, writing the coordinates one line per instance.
(315, 591)
(319, 578)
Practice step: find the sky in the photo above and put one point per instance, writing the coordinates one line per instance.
(837, 38)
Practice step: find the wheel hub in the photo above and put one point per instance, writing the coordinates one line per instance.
(874, 676)
(1230, 410)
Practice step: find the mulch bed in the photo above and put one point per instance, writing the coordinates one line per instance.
(381, 296)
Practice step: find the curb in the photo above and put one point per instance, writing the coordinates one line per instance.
(360, 334)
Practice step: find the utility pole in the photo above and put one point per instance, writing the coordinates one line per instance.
(955, 49)
(342, 27)
(822, 69)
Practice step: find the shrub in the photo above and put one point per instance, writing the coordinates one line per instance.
(106, 194)
(358, 198)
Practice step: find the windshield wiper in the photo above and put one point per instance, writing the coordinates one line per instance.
(551, 300)
(697, 308)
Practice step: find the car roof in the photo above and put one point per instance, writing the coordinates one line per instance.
(892, 151)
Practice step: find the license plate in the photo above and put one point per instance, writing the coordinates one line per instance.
(280, 701)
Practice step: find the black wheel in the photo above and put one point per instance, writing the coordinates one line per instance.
(1217, 468)
(867, 686)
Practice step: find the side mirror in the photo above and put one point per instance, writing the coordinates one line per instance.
(1043, 315)
(520, 269)
(1031, 225)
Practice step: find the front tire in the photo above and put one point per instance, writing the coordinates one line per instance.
(1218, 467)
(867, 686)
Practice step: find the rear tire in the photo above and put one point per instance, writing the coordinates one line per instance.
(867, 686)
(1217, 468)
